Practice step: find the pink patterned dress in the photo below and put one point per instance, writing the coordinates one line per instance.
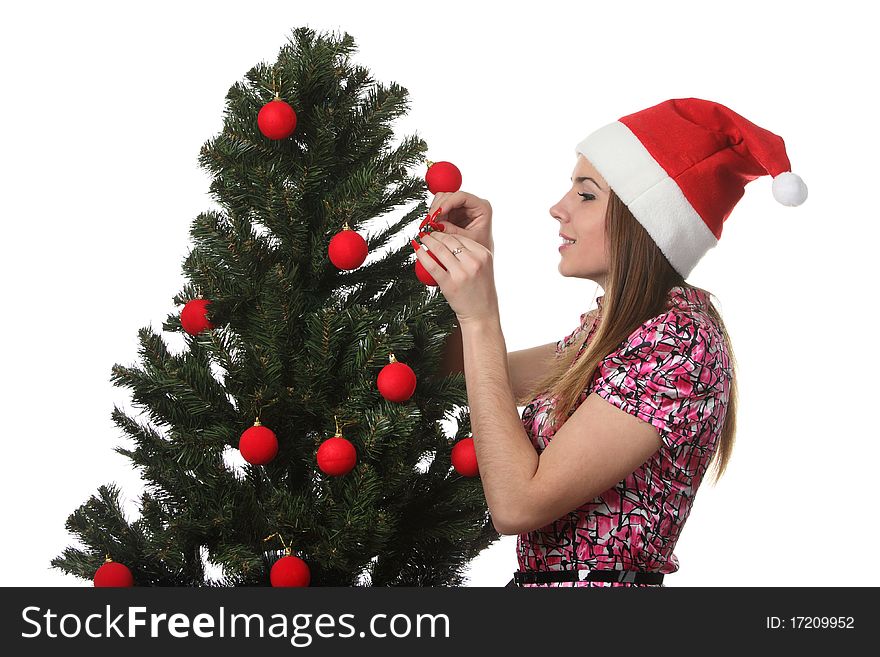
(673, 372)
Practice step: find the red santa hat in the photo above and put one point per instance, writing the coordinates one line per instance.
(682, 165)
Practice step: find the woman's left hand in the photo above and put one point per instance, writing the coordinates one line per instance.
(469, 280)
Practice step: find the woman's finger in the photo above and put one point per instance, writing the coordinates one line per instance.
(436, 268)
(442, 246)
(450, 228)
(439, 201)
(447, 201)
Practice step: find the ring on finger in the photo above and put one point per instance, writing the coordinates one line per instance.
(454, 251)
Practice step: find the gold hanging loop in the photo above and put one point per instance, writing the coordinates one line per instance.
(281, 538)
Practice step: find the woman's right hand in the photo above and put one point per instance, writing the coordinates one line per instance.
(465, 214)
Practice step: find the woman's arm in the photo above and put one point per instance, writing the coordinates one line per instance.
(524, 365)
(506, 457)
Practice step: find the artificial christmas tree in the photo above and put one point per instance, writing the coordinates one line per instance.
(298, 342)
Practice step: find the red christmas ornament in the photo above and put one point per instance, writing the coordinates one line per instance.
(276, 119)
(113, 573)
(443, 177)
(464, 458)
(194, 316)
(396, 381)
(336, 456)
(258, 444)
(423, 274)
(290, 571)
(347, 249)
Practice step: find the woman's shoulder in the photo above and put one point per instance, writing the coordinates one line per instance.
(672, 371)
(676, 326)
(685, 342)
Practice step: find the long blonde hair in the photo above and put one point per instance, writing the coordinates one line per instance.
(637, 286)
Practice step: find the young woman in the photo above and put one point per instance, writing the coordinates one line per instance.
(625, 414)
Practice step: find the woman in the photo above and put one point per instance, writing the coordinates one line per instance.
(641, 396)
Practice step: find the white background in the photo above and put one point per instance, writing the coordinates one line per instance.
(105, 107)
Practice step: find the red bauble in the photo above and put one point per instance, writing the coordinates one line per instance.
(194, 316)
(276, 119)
(396, 381)
(464, 458)
(113, 573)
(423, 275)
(347, 249)
(443, 177)
(258, 444)
(336, 456)
(290, 571)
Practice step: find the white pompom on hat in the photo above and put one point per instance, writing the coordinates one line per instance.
(789, 189)
(682, 165)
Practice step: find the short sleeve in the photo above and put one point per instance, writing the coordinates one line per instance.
(668, 374)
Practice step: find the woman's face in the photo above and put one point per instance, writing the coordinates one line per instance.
(581, 216)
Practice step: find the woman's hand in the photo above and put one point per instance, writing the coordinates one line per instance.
(468, 280)
(465, 214)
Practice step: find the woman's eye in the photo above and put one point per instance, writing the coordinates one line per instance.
(585, 195)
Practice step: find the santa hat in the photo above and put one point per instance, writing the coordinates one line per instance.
(682, 165)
